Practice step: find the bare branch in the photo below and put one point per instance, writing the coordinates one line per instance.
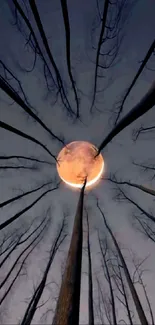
(26, 136)
(134, 294)
(10, 91)
(4, 203)
(46, 45)
(18, 214)
(146, 103)
(140, 70)
(68, 55)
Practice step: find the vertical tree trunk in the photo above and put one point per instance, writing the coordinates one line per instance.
(67, 310)
(113, 308)
(133, 291)
(90, 281)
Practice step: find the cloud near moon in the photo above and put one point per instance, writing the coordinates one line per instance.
(76, 162)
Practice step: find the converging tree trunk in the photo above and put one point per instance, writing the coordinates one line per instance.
(67, 310)
(32, 306)
(145, 104)
(133, 291)
(90, 279)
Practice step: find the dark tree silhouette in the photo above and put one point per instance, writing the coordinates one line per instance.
(32, 306)
(146, 103)
(121, 195)
(20, 213)
(29, 247)
(133, 291)
(120, 105)
(111, 21)
(90, 277)
(121, 286)
(103, 249)
(34, 44)
(10, 128)
(13, 94)
(67, 310)
(68, 54)
(36, 160)
(51, 58)
(113, 179)
(17, 197)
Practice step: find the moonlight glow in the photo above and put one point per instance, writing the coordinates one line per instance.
(76, 162)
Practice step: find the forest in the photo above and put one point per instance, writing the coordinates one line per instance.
(77, 71)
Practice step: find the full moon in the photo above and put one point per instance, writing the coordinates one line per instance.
(76, 161)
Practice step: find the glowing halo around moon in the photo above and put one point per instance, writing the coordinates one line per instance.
(76, 161)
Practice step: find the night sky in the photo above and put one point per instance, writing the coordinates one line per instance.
(138, 34)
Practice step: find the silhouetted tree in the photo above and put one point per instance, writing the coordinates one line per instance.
(68, 54)
(44, 224)
(5, 85)
(34, 159)
(21, 212)
(32, 306)
(12, 129)
(57, 86)
(111, 20)
(104, 249)
(146, 103)
(120, 105)
(138, 279)
(90, 278)
(133, 291)
(51, 58)
(113, 179)
(67, 310)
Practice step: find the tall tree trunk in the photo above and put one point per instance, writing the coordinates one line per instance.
(103, 253)
(67, 310)
(145, 104)
(90, 280)
(134, 294)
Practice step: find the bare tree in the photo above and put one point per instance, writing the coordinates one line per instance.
(32, 41)
(5, 85)
(103, 306)
(18, 167)
(67, 310)
(90, 278)
(19, 240)
(146, 226)
(21, 212)
(113, 179)
(34, 159)
(121, 195)
(133, 291)
(15, 198)
(138, 132)
(120, 284)
(144, 62)
(138, 279)
(146, 167)
(32, 306)
(30, 247)
(51, 58)
(146, 103)
(68, 54)
(104, 249)
(12, 129)
(111, 21)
